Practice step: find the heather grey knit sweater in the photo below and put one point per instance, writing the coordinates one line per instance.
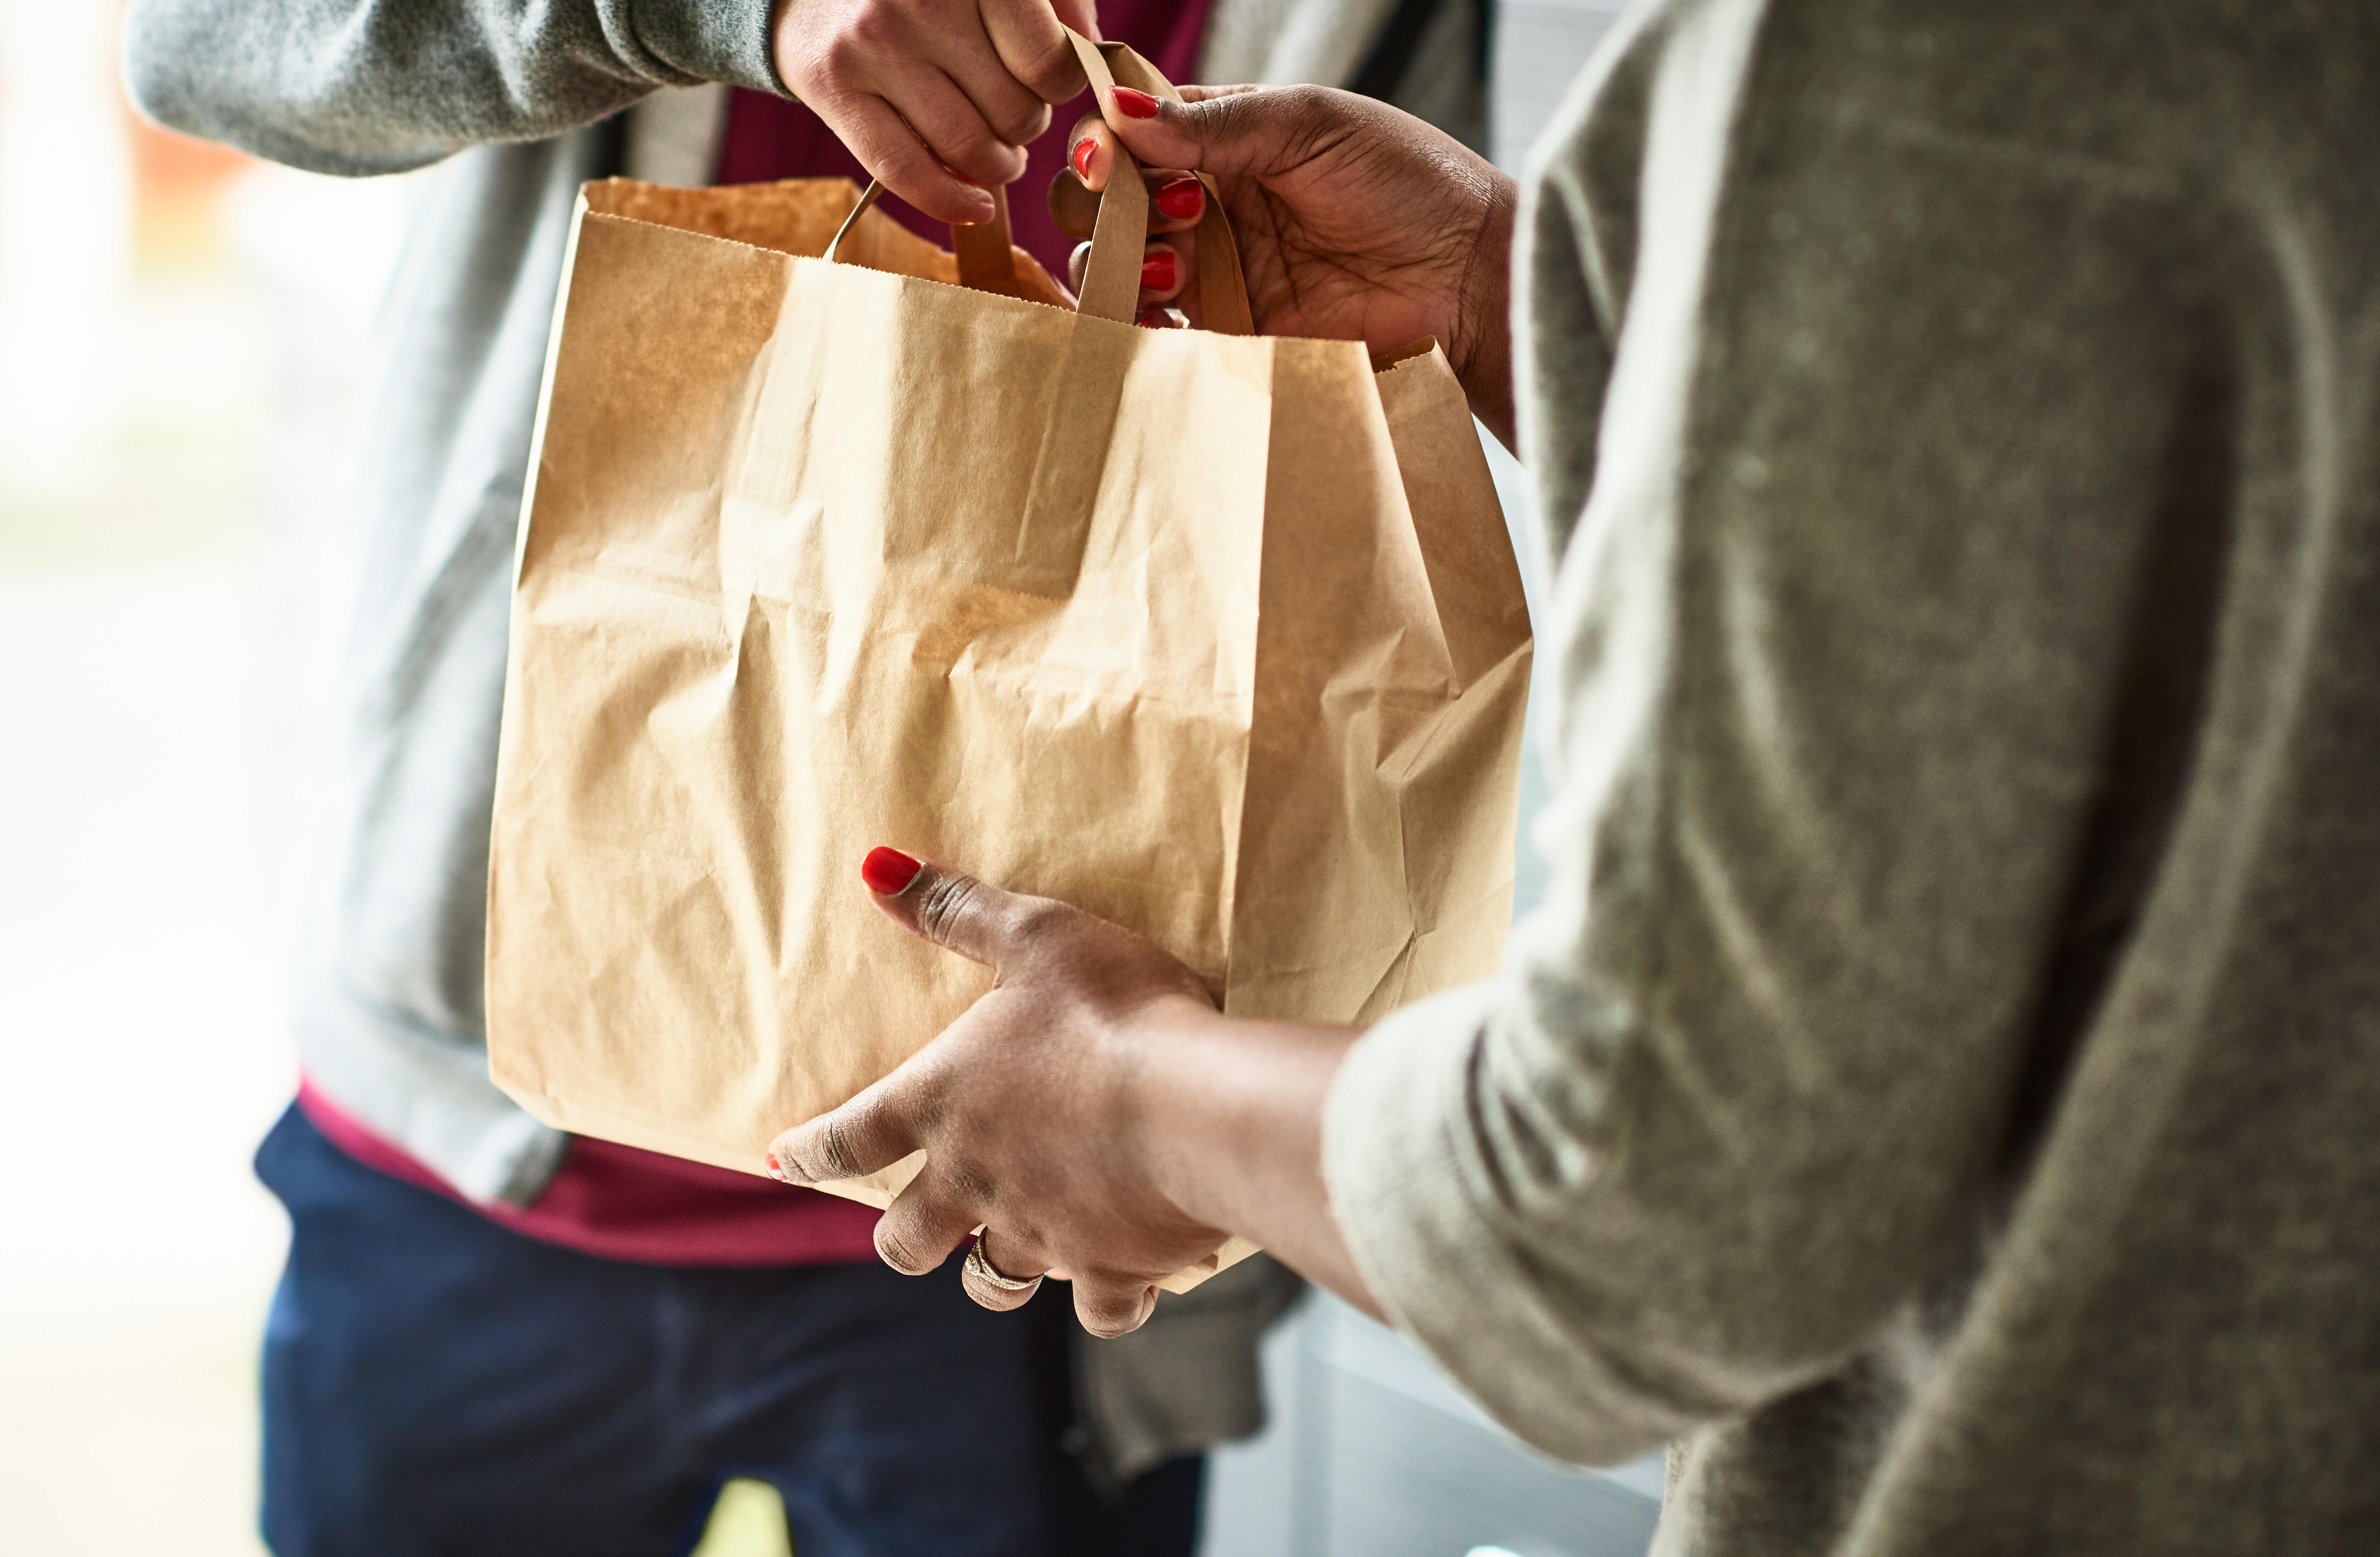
(1942, 1088)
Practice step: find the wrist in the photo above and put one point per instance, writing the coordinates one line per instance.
(1481, 352)
(1166, 1100)
(1226, 1110)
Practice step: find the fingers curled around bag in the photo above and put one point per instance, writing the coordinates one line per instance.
(1166, 272)
(1090, 156)
(890, 150)
(872, 1132)
(1110, 1305)
(996, 1278)
(1233, 132)
(924, 1223)
(1176, 201)
(955, 131)
(1034, 46)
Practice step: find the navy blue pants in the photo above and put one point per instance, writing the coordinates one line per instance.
(434, 1384)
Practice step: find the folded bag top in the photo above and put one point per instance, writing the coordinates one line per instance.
(1217, 634)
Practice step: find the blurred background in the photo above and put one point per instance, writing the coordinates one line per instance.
(177, 326)
(179, 330)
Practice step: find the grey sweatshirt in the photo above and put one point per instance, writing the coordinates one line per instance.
(1940, 1088)
(522, 102)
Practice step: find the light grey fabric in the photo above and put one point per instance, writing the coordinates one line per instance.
(389, 1019)
(389, 1007)
(1939, 1087)
(1285, 42)
(675, 136)
(376, 86)
(1185, 1380)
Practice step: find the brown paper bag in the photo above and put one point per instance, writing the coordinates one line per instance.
(1215, 635)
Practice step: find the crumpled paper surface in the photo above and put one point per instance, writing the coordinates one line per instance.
(1221, 638)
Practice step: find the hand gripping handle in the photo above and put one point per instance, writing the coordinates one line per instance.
(1112, 279)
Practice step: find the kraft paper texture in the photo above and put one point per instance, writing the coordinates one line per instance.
(1220, 637)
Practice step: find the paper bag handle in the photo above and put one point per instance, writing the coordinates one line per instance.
(1112, 279)
(985, 261)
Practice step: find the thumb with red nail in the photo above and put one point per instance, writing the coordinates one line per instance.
(887, 870)
(1064, 1112)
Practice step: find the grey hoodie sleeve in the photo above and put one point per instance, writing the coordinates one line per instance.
(379, 86)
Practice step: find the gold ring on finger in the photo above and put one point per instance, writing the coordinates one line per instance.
(981, 1269)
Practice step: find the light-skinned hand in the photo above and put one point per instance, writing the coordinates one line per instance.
(937, 98)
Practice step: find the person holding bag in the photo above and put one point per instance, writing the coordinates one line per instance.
(1936, 1096)
(489, 1334)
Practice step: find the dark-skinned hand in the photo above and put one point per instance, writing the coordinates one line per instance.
(1025, 1105)
(1355, 221)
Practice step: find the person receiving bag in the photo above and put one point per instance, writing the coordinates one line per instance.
(1935, 1096)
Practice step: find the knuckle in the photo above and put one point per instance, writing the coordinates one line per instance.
(841, 59)
(1233, 117)
(835, 1149)
(926, 1099)
(1053, 71)
(1109, 1323)
(973, 148)
(872, 35)
(1111, 1307)
(1289, 120)
(947, 901)
(902, 160)
(1035, 920)
(1023, 123)
(971, 1185)
(1299, 105)
(897, 1245)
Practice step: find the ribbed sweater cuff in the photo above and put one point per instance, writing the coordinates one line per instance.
(712, 40)
(1444, 1254)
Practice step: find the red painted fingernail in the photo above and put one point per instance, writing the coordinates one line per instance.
(1157, 271)
(1181, 198)
(1134, 104)
(1082, 158)
(888, 871)
(777, 1169)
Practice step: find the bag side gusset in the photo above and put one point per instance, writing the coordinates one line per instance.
(1458, 785)
(1349, 663)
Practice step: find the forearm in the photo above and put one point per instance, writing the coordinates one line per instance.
(369, 86)
(1229, 1115)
